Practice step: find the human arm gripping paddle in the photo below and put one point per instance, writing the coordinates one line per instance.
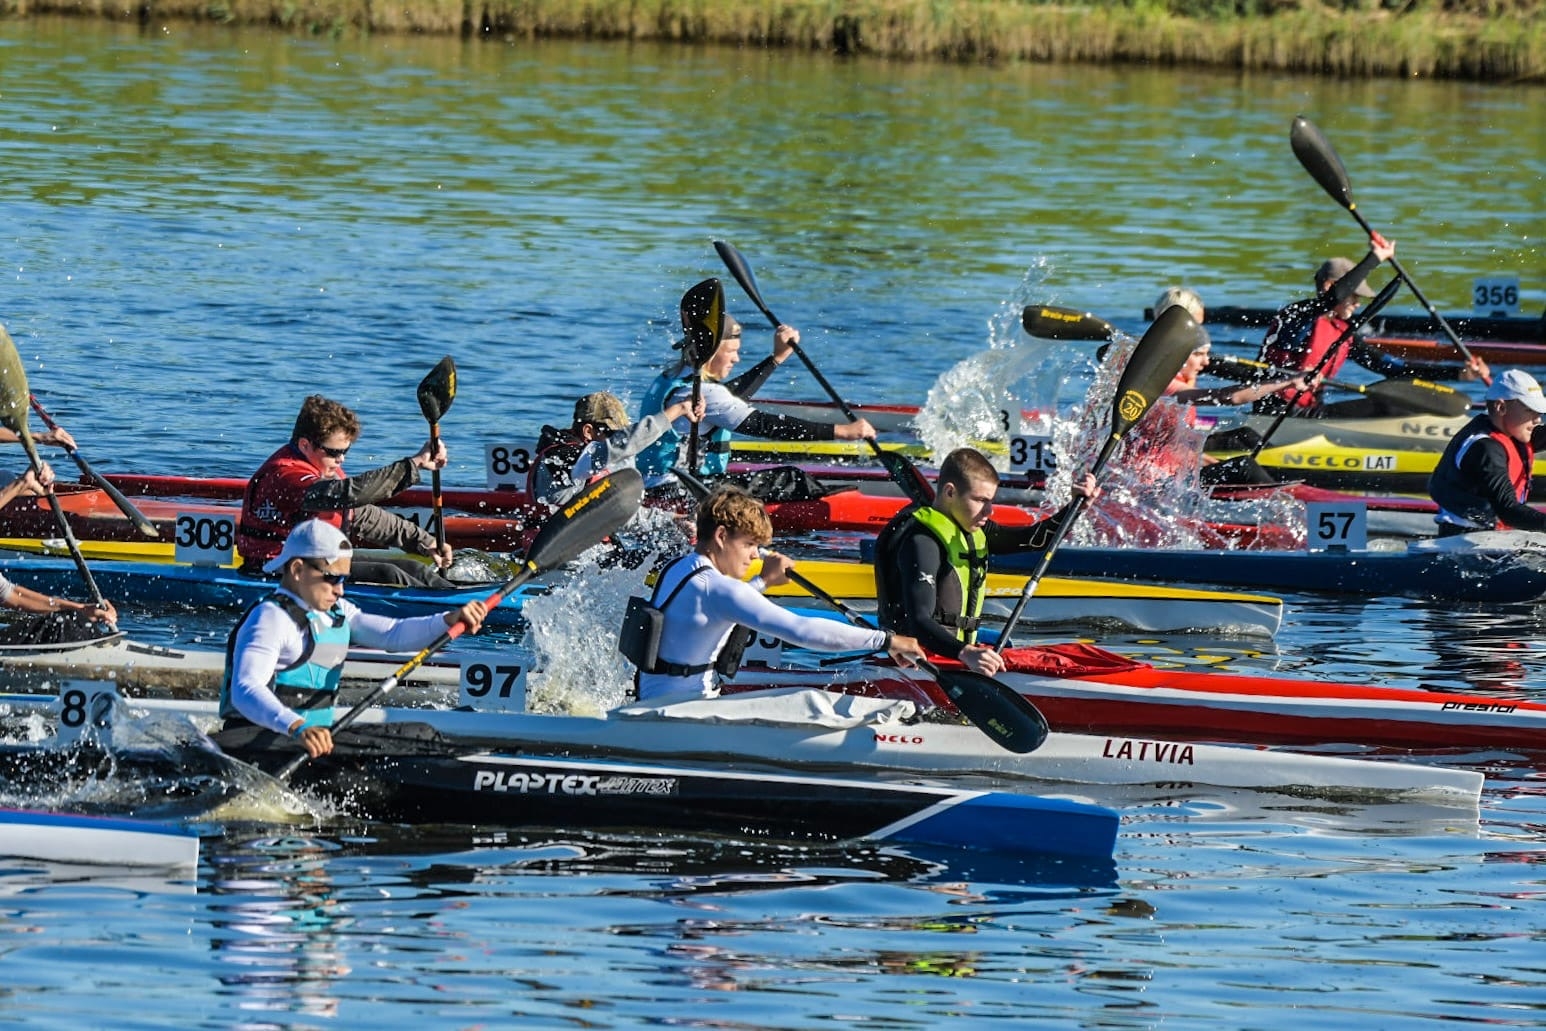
(14, 395)
(436, 392)
(1315, 153)
(145, 526)
(703, 322)
(597, 511)
(1413, 395)
(1154, 363)
(897, 466)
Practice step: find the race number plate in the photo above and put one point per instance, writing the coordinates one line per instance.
(505, 466)
(493, 686)
(1335, 526)
(1032, 454)
(1496, 297)
(85, 710)
(202, 539)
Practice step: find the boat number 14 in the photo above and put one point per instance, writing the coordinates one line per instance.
(1337, 526)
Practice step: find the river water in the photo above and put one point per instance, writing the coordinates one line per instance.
(200, 226)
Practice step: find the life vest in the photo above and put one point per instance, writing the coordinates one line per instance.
(311, 682)
(656, 461)
(958, 596)
(557, 451)
(1304, 352)
(644, 624)
(1456, 497)
(271, 505)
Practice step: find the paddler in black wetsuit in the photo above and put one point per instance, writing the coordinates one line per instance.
(1483, 480)
(931, 562)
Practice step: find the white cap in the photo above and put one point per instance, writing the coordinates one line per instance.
(312, 539)
(1514, 385)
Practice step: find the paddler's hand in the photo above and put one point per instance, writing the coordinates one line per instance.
(1476, 369)
(784, 339)
(979, 658)
(317, 741)
(906, 650)
(1087, 487)
(1382, 248)
(775, 568)
(432, 455)
(443, 554)
(859, 429)
(472, 614)
(58, 438)
(103, 613)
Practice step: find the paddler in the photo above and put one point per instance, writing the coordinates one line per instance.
(305, 480)
(1301, 333)
(707, 609)
(54, 619)
(931, 561)
(726, 410)
(600, 440)
(284, 660)
(58, 437)
(1483, 480)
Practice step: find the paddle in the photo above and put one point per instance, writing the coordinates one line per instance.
(1315, 153)
(1414, 395)
(703, 312)
(13, 414)
(1155, 361)
(1053, 323)
(898, 467)
(600, 509)
(1245, 468)
(997, 709)
(145, 526)
(436, 392)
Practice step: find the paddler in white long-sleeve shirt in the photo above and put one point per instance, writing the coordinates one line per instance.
(703, 598)
(284, 660)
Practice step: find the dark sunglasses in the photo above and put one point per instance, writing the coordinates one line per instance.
(333, 578)
(333, 452)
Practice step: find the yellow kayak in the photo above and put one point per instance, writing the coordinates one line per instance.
(749, 449)
(100, 551)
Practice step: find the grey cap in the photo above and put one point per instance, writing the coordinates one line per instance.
(1334, 269)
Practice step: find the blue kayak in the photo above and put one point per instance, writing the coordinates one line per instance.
(1498, 567)
(161, 585)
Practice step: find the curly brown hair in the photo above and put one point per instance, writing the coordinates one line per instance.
(320, 418)
(738, 512)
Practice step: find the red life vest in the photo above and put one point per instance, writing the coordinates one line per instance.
(271, 505)
(1325, 332)
(1519, 466)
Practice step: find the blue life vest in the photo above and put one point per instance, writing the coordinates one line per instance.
(655, 461)
(310, 684)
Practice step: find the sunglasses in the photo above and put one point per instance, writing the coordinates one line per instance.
(333, 452)
(333, 578)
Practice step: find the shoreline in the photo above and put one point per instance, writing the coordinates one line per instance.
(1505, 47)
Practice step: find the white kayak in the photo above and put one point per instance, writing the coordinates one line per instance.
(95, 840)
(803, 728)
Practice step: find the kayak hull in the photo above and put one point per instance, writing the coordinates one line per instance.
(95, 840)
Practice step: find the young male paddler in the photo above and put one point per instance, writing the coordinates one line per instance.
(285, 658)
(1483, 480)
(931, 561)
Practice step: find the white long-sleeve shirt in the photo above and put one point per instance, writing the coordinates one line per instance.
(270, 640)
(701, 616)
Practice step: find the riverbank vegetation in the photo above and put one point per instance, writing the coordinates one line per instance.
(1487, 40)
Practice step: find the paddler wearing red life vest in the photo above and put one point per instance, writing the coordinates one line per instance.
(1483, 480)
(1302, 332)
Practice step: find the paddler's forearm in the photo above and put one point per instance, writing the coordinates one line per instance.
(368, 488)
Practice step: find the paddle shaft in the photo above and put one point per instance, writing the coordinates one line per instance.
(145, 526)
(1414, 394)
(437, 502)
(62, 522)
(1380, 300)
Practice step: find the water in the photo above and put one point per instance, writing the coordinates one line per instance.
(201, 226)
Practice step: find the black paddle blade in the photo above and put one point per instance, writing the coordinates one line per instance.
(601, 508)
(703, 310)
(437, 390)
(1416, 395)
(1155, 361)
(906, 475)
(14, 392)
(1242, 469)
(995, 708)
(1315, 153)
(743, 274)
(1053, 323)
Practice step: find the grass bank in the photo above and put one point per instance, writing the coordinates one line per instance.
(1485, 40)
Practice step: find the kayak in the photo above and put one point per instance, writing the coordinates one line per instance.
(1494, 352)
(798, 725)
(1059, 600)
(95, 840)
(408, 770)
(1493, 566)
(161, 586)
(1319, 461)
(1415, 432)
(1083, 689)
(1469, 327)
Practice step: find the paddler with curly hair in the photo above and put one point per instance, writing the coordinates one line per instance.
(726, 409)
(707, 606)
(1483, 480)
(285, 658)
(931, 561)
